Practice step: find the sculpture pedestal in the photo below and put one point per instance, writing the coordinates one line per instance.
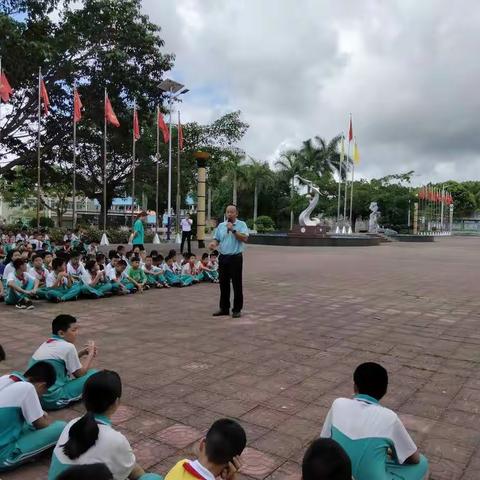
(312, 231)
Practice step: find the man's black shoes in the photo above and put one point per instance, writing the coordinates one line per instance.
(221, 313)
(236, 314)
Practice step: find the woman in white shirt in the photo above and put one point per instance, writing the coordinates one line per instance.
(91, 439)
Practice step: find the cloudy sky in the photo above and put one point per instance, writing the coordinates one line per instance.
(407, 70)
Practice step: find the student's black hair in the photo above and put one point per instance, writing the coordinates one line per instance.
(112, 254)
(100, 392)
(36, 255)
(94, 471)
(66, 241)
(122, 262)
(8, 257)
(41, 372)
(325, 459)
(120, 247)
(204, 256)
(128, 254)
(215, 253)
(154, 253)
(62, 322)
(168, 257)
(18, 262)
(100, 256)
(172, 252)
(57, 262)
(2, 354)
(371, 379)
(159, 257)
(90, 264)
(75, 253)
(190, 255)
(149, 256)
(186, 255)
(225, 439)
(135, 259)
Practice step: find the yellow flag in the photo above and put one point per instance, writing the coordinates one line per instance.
(356, 154)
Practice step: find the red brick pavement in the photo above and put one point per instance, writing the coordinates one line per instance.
(311, 316)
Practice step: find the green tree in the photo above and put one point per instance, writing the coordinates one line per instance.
(259, 174)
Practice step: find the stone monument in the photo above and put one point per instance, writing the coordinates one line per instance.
(374, 216)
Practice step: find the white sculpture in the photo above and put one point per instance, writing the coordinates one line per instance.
(374, 216)
(304, 219)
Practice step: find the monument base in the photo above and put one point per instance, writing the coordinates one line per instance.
(314, 231)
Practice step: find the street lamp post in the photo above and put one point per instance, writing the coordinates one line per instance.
(175, 89)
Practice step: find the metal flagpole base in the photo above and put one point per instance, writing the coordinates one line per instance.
(349, 230)
(104, 240)
(156, 239)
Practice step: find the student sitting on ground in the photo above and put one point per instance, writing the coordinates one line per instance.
(155, 277)
(95, 471)
(47, 261)
(325, 459)
(136, 275)
(8, 267)
(75, 267)
(100, 258)
(190, 268)
(205, 268)
(219, 454)
(20, 286)
(91, 438)
(94, 282)
(38, 271)
(121, 252)
(25, 430)
(60, 287)
(173, 278)
(158, 268)
(113, 258)
(59, 350)
(368, 432)
(121, 285)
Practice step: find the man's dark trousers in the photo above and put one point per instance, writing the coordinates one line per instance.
(230, 270)
(186, 236)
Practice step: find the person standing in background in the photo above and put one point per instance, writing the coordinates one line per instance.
(186, 225)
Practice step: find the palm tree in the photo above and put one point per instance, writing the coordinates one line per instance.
(234, 172)
(291, 163)
(323, 157)
(259, 174)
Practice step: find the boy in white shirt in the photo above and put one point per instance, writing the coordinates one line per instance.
(71, 374)
(75, 266)
(60, 286)
(20, 286)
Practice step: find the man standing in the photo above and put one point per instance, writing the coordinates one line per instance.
(138, 230)
(186, 225)
(230, 238)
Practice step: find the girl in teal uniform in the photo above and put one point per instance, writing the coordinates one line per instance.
(91, 438)
(94, 281)
(60, 287)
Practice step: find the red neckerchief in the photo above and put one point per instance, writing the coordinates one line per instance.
(42, 273)
(192, 471)
(22, 279)
(14, 378)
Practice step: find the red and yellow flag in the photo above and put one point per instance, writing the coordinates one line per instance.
(5, 88)
(163, 127)
(44, 96)
(77, 106)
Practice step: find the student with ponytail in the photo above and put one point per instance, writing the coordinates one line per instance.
(91, 438)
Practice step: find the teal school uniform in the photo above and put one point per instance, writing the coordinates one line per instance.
(63, 356)
(139, 233)
(367, 431)
(26, 281)
(20, 442)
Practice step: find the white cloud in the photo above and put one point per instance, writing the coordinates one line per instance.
(406, 70)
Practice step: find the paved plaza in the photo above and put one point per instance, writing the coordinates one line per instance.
(311, 316)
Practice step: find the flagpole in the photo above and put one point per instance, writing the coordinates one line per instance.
(340, 180)
(157, 177)
(105, 166)
(169, 203)
(39, 113)
(351, 187)
(178, 177)
(346, 186)
(133, 162)
(74, 190)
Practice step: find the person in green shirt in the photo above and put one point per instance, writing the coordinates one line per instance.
(138, 230)
(136, 275)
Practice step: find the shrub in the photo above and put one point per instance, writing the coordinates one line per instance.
(44, 222)
(264, 224)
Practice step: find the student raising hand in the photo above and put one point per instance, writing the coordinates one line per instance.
(232, 469)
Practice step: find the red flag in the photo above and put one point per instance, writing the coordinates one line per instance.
(421, 193)
(5, 88)
(350, 130)
(110, 114)
(77, 106)
(44, 96)
(163, 127)
(180, 136)
(136, 127)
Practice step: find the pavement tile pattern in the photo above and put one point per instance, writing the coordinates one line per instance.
(311, 316)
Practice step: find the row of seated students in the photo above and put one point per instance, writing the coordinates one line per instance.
(68, 274)
(360, 439)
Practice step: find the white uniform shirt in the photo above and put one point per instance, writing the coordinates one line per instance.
(52, 279)
(75, 271)
(186, 224)
(11, 277)
(86, 277)
(8, 269)
(20, 394)
(113, 277)
(111, 448)
(57, 349)
(40, 276)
